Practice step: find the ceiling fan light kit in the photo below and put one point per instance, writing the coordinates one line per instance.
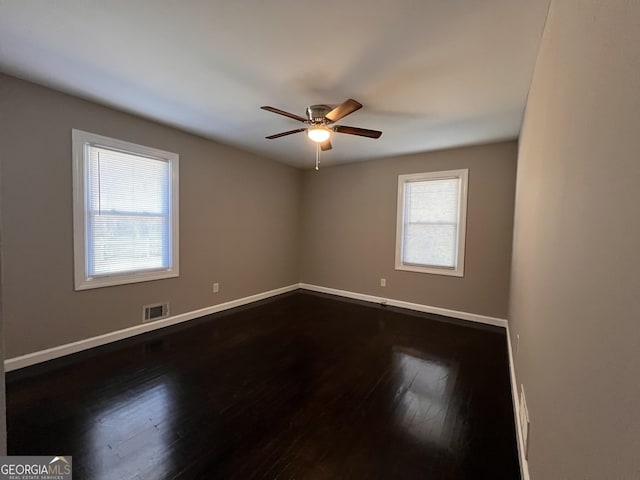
(318, 134)
(319, 120)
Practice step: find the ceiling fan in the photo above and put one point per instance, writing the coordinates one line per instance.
(320, 120)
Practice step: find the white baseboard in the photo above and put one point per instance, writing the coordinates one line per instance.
(472, 317)
(524, 464)
(74, 347)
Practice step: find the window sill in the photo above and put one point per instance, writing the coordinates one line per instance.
(451, 272)
(112, 280)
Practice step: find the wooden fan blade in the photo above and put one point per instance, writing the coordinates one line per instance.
(324, 146)
(282, 112)
(363, 132)
(282, 134)
(342, 110)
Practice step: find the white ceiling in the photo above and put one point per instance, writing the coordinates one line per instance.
(431, 73)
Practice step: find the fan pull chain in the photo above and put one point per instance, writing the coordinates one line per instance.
(317, 156)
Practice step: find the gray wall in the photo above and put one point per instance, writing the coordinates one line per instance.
(349, 226)
(238, 221)
(576, 283)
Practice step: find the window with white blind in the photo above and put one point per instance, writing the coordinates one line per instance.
(431, 222)
(125, 212)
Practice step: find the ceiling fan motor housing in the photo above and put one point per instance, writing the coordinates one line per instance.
(316, 113)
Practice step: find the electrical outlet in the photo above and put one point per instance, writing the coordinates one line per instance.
(383, 282)
(216, 287)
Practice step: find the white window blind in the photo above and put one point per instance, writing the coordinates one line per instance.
(125, 212)
(129, 220)
(431, 222)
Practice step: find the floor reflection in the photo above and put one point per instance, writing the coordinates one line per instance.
(134, 426)
(424, 403)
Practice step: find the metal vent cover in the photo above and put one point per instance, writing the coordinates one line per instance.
(155, 311)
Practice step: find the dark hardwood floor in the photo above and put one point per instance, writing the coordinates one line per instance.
(303, 386)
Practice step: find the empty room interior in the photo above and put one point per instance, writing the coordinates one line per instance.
(442, 284)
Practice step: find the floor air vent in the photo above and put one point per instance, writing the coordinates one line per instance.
(154, 312)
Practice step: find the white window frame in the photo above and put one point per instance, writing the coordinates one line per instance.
(80, 151)
(458, 269)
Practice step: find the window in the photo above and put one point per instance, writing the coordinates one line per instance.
(431, 222)
(125, 202)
